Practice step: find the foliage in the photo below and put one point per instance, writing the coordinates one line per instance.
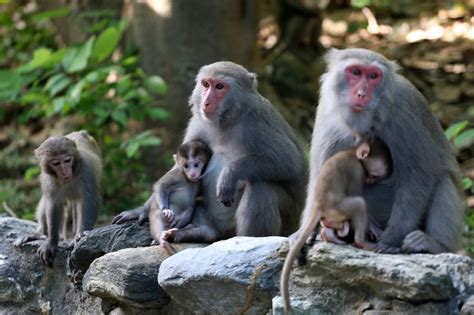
(91, 80)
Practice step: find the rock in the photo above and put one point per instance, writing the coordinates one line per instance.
(107, 239)
(27, 287)
(468, 306)
(236, 276)
(128, 277)
(338, 278)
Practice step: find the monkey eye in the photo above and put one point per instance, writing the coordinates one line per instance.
(373, 75)
(205, 84)
(219, 86)
(196, 164)
(356, 72)
(186, 165)
(68, 160)
(55, 163)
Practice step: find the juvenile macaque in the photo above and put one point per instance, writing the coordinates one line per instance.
(175, 193)
(420, 207)
(338, 199)
(71, 167)
(254, 183)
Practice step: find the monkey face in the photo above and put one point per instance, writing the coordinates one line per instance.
(362, 82)
(62, 167)
(213, 91)
(193, 169)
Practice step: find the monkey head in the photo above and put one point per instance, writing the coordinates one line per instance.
(376, 160)
(58, 157)
(358, 82)
(192, 158)
(221, 91)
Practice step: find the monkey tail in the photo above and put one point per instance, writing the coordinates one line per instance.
(305, 232)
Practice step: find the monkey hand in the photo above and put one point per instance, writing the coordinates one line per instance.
(169, 216)
(46, 253)
(226, 188)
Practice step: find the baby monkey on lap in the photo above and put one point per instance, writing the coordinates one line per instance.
(174, 194)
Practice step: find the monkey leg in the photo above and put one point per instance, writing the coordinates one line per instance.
(258, 213)
(195, 234)
(441, 231)
(329, 235)
(356, 209)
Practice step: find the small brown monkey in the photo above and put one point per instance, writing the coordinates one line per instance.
(175, 193)
(338, 198)
(71, 167)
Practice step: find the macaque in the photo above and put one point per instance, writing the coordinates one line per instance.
(338, 199)
(419, 207)
(71, 167)
(254, 182)
(176, 192)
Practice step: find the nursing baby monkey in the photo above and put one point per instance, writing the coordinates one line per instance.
(338, 198)
(174, 194)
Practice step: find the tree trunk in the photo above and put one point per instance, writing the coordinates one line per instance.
(177, 37)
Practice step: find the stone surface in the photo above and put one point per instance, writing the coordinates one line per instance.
(236, 276)
(27, 287)
(107, 239)
(129, 276)
(338, 279)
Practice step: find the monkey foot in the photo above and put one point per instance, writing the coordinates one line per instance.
(26, 239)
(46, 253)
(330, 235)
(386, 249)
(365, 245)
(167, 235)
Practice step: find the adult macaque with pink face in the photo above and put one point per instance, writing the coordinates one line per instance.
(254, 182)
(419, 206)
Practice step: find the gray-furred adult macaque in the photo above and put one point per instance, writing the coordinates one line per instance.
(338, 198)
(419, 207)
(254, 183)
(71, 167)
(175, 193)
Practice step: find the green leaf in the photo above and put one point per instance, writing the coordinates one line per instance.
(57, 83)
(132, 149)
(106, 44)
(10, 84)
(158, 113)
(120, 116)
(466, 183)
(46, 15)
(31, 173)
(75, 59)
(455, 129)
(75, 92)
(465, 138)
(33, 97)
(40, 58)
(156, 84)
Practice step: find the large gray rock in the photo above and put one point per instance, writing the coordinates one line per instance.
(27, 287)
(107, 239)
(342, 279)
(128, 278)
(235, 276)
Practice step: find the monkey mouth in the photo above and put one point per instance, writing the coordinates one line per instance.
(357, 107)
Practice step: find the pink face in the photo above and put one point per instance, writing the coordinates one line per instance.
(193, 169)
(362, 82)
(213, 91)
(62, 167)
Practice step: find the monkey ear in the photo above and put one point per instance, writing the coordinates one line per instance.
(394, 66)
(253, 80)
(363, 151)
(332, 57)
(175, 158)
